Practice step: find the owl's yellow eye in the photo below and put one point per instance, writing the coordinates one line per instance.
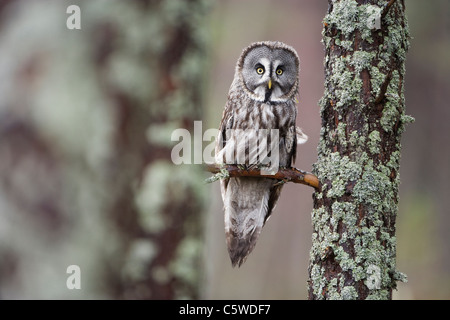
(279, 71)
(260, 70)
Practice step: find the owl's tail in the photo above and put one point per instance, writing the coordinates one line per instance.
(246, 204)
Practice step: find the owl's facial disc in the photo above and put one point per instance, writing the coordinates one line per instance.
(269, 75)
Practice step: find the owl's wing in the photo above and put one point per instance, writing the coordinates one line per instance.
(225, 124)
(274, 194)
(293, 137)
(288, 147)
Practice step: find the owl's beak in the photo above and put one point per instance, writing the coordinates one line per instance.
(269, 84)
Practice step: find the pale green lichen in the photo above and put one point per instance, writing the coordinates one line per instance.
(347, 45)
(377, 78)
(165, 183)
(341, 134)
(356, 140)
(333, 292)
(347, 85)
(339, 170)
(373, 20)
(150, 198)
(391, 111)
(349, 293)
(362, 60)
(336, 167)
(222, 174)
(186, 265)
(394, 162)
(374, 189)
(344, 211)
(159, 134)
(318, 281)
(407, 119)
(140, 254)
(347, 16)
(374, 142)
(378, 295)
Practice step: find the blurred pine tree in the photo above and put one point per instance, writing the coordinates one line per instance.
(86, 176)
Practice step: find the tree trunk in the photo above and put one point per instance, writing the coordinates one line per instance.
(353, 253)
(86, 175)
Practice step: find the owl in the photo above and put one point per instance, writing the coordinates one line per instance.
(258, 129)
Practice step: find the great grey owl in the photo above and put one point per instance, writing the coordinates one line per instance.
(258, 129)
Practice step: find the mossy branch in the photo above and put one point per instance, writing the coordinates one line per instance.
(284, 174)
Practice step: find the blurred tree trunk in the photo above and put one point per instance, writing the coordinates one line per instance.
(353, 255)
(85, 141)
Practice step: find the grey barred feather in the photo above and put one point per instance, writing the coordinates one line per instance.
(261, 98)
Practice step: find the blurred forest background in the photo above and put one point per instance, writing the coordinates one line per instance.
(86, 178)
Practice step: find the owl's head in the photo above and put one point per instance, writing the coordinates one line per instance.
(268, 71)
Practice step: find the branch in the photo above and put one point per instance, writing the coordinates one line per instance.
(284, 175)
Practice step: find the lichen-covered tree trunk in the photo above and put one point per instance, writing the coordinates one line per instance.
(353, 253)
(157, 205)
(86, 176)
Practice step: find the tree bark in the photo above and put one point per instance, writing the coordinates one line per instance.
(353, 254)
